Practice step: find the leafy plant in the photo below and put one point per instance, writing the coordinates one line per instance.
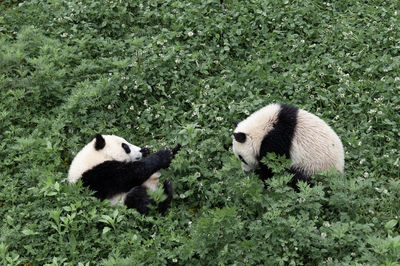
(160, 73)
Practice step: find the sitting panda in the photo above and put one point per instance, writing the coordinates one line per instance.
(117, 170)
(287, 130)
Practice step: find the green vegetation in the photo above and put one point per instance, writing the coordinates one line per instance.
(162, 72)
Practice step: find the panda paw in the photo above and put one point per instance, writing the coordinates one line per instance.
(169, 191)
(176, 149)
(145, 152)
(168, 188)
(165, 156)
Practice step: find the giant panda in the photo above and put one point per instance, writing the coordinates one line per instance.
(119, 171)
(283, 129)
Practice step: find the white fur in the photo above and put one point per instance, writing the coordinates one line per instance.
(89, 157)
(315, 146)
(256, 126)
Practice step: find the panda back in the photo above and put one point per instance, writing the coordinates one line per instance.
(86, 159)
(315, 147)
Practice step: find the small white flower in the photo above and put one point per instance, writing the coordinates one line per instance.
(218, 118)
(190, 33)
(182, 196)
(327, 224)
(207, 86)
(131, 108)
(175, 260)
(366, 175)
(301, 200)
(323, 235)
(362, 160)
(109, 107)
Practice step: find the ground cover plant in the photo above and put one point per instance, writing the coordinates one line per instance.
(162, 72)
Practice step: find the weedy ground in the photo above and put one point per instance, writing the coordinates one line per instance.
(162, 72)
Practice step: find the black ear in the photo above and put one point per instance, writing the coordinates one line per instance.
(100, 142)
(235, 123)
(240, 137)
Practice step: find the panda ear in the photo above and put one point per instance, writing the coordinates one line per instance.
(240, 137)
(235, 123)
(100, 142)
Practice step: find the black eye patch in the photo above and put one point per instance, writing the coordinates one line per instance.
(126, 148)
(241, 158)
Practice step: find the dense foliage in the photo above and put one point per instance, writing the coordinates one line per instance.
(162, 72)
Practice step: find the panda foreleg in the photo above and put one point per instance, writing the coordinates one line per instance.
(137, 198)
(264, 173)
(143, 169)
(169, 191)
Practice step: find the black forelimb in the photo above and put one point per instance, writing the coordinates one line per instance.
(113, 177)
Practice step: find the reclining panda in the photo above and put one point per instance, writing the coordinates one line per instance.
(117, 170)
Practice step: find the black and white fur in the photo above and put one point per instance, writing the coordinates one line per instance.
(287, 130)
(119, 171)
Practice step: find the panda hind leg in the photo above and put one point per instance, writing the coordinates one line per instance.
(137, 198)
(169, 191)
(298, 176)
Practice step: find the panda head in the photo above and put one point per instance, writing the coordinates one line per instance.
(249, 134)
(115, 148)
(103, 148)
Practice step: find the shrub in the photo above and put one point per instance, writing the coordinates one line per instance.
(165, 72)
